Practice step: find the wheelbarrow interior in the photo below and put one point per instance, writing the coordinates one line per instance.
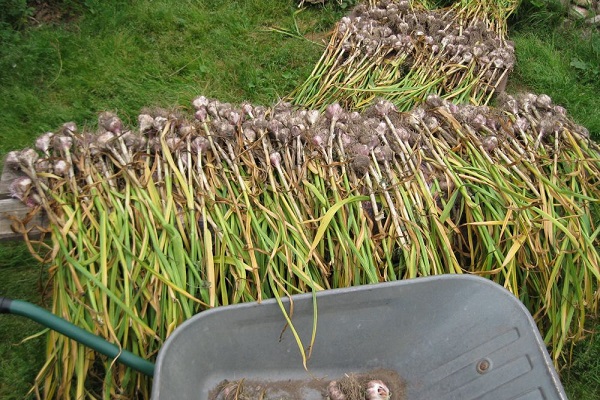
(447, 337)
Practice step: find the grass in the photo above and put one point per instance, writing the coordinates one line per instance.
(123, 56)
(582, 379)
(19, 361)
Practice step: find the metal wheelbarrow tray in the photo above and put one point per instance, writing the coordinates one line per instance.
(447, 337)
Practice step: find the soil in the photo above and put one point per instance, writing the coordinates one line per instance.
(350, 386)
(49, 12)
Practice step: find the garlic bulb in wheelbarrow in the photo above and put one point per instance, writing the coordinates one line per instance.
(334, 392)
(377, 390)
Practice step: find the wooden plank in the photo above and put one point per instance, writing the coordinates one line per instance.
(13, 211)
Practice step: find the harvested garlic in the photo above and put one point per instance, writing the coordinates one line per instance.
(377, 390)
(334, 392)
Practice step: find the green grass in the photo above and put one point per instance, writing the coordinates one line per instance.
(582, 380)
(123, 56)
(19, 361)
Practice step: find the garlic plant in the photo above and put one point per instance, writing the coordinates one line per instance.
(403, 51)
(238, 203)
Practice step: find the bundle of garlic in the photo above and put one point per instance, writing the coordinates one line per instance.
(242, 203)
(402, 51)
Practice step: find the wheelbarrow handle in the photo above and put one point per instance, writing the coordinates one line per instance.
(46, 318)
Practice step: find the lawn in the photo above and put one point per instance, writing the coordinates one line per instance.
(78, 60)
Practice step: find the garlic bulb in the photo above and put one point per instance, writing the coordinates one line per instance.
(334, 392)
(377, 390)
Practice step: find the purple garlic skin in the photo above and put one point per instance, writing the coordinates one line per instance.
(200, 102)
(384, 107)
(489, 143)
(110, 122)
(19, 187)
(334, 111)
(275, 159)
(201, 115)
(69, 128)
(44, 142)
(199, 144)
(63, 143)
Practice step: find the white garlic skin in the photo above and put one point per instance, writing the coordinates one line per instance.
(377, 390)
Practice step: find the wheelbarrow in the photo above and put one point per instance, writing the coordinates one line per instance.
(442, 337)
